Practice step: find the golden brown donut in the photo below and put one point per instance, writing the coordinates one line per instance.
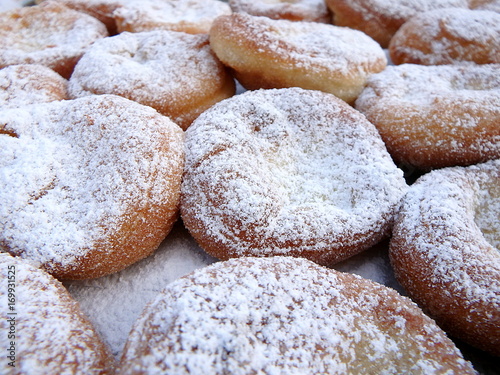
(436, 116)
(175, 73)
(267, 53)
(189, 16)
(287, 172)
(45, 332)
(49, 34)
(299, 10)
(380, 19)
(445, 250)
(448, 36)
(89, 185)
(26, 84)
(285, 316)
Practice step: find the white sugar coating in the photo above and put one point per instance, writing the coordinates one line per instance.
(403, 9)
(46, 34)
(306, 10)
(272, 171)
(428, 115)
(163, 69)
(284, 316)
(446, 243)
(73, 172)
(22, 85)
(170, 14)
(50, 334)
(451, 35)
(113, 303)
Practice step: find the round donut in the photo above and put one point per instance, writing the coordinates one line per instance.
(285, 315)
(189, 16)
(380, 19)
(89, 186)
(101, 9)
(436, 116)
(287, 172)
(445, 250)
(175, 73)
(448, 36)
(267, 53)
(45, 332)
(25, 84)
(48, 34)
(299, 10)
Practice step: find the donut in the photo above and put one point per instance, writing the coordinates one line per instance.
(300, 10)
(25, 84)
(48, 34)
(448, 36)
(101, 9)
(89, 185)
(267, 53)
(285, 315)
(380, 19)
(45, 331)
(189, 16)
(445, 250)
(493, 5)
(287, 172)
(175, 73)
(436, 116)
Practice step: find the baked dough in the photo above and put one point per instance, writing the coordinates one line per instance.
(445, 250)
(297, 10)
(89, 186)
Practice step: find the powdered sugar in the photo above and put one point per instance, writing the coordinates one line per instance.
(267, 175)
(72, 171)
(282, 315)
(298, 10)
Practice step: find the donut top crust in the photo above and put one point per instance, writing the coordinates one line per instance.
(75, 172)
(447, 36)
(304, 45)
(285, 315)
(298, 10)
(53, 336)
(191, 16)
(446, 250)
(163, 69)
(271, 171)
(21, 85)
(48, 34)
(423, 110)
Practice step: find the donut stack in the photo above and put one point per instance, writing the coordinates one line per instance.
(280, 139)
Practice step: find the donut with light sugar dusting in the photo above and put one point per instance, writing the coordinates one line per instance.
(267, 53)
(448, 36)
(26, 84)
(175, 73)
(189, 16)
(48, 34)
(285, 315)
(445, 250)
(91, 185)
(300, 10)
(287, 172)
(380, 19)
(45, 329)
(436, 116)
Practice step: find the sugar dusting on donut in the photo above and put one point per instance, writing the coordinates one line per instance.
(285, 315)
(436, 116)
(89, 185)
(51, 335)
(287, 171)
(297, 10)
(445, 250)
(175, 73)
(447, 36)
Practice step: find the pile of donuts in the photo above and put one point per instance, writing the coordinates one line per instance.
(286, 136)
